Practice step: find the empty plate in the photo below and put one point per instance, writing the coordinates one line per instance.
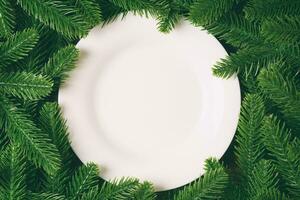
(145, 104)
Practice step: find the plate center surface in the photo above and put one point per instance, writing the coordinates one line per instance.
(147, 96)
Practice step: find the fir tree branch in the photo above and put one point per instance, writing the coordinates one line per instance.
(282, 30)
(25, 85)
(278, 141)
(264, 177)
(145, 191)
(62, 62)
(52, 123)
(237, 31)
(7, 18)
(204, 12)
(167, 22)
(17, 46)
(49, 42)
(162, 10)
(15, 188)
(84, 178)
(133, 5)
(47, 196)
(36, 145)
(245, 62)
(57, 15)
(4, 141)
(110, 11)
(210, 186)
(91, 194)
(280, 85)
(249, 149)
(122, 189)
(270, 194)
(271, 9)
(90, 11)
(36, 179)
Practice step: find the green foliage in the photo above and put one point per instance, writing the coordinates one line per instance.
(264, 177)
(17, 46)
(278, 141)
(47, 196)
(167, 22)
(204, 12)
(280, 84)
(25, 85)
(56, 14)
(245, 61)
(84, 178)
(52, 123)
(249, 149)
(7, 18)
(119, 189)
(270, 194)
(210, 186)
(165, 11)
(14, 187)
(284, 30)
(61, 63)
(271, 9)
(145, 191)
(133, 5)
(237, 31)
(110, 11)
(35, 144)
(90, 11)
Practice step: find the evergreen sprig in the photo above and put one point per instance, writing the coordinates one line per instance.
(47, 196)
(17, 46)
(210, 186)
(244, 62)
(85, 177)
(119, 189)
(52, 123)
(249, 149)
(237, 31)
(25, 85)
(278, 141)
(62, 62)
(279, 83)
(56, 14)
(271, 9)
(90, 11)
(14, 187)
(263, 178)
(204, 12)
(35, 144)
(7, 19)
(284, 29)
(271, 194)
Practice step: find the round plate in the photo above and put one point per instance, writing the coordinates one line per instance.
(145, 104)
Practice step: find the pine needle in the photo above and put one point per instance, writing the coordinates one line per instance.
(25, 85)
(17, 46)
(210, 186)
(278, 141)
(7, 18)
(35, 144)
(58, 15)
(249, 149)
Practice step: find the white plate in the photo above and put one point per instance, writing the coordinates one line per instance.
(145, 104)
